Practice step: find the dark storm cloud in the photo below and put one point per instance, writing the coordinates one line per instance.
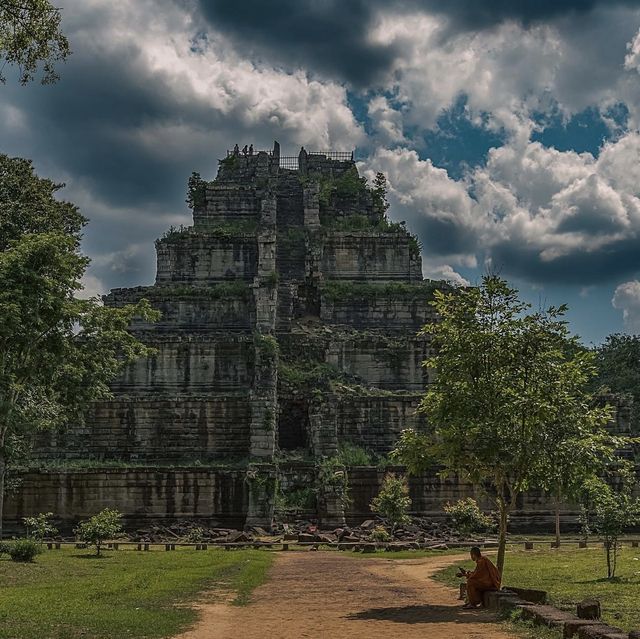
(331, 36)
(620, 260)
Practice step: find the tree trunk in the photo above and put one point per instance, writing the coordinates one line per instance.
(608, 548)
(3, 473)
(502, 540)
(557, 513)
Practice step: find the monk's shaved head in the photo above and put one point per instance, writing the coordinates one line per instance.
(475, 552)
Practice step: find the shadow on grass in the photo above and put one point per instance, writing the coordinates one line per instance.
(423, 614)
(91, 556)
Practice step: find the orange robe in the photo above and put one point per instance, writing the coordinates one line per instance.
(484, 577)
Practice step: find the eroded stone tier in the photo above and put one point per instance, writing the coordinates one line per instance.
(290, 312)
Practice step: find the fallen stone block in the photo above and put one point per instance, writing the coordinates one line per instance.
(601, 631)
(306, 538)
(528, 545)
(546, 615)
(528, 594)
(572, 626)
(368, 547)
(491, 598)
(589, 609)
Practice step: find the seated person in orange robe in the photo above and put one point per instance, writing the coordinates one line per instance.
(484, 577)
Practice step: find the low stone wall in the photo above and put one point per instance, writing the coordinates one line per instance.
(218, 497)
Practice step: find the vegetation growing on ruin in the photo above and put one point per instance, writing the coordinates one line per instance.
(120, 594)
(316, 376)
(338, 290)
(233, 289)
(196, 191)
(295, 501)
(222, 231)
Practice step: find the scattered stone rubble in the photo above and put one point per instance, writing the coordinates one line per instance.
(420, 533)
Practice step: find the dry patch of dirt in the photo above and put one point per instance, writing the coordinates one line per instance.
(329, 594)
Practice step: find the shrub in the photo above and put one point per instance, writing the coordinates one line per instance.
(40, 526)
(393, 501)
(104, 525)
(24, 550)
(466, 517)
(379, 533)
(4, 548)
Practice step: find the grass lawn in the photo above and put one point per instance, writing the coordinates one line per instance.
(572, 574)
(71, 594)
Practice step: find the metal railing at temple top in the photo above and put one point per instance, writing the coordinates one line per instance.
(291, 161)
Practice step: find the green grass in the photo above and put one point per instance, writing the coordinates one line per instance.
(69, 593)
(570, 575)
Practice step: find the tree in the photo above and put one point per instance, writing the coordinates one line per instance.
(576, 455)
(502, 375)
(618, 363)
(57, 353)
(30, 36)
(393, 501)
(40, 526)
(105, 525)
(379, 191)
(611, 512)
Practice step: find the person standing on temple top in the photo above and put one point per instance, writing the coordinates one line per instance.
(251, 149)
(236, 150)
(244, 150)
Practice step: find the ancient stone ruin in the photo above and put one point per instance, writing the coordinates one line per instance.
(287, 362)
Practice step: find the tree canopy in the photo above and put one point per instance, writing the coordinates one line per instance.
(508, 398)
(30, 39)
(57, 352)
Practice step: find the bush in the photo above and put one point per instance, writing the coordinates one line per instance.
(4, 548)
(379, 533)
(393, 501)
(40, 526)
(104, 525)
(24, 550)
(466, 517)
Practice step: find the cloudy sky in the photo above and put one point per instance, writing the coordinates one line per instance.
(508, 129)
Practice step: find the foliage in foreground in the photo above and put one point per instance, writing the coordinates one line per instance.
(509, 406)
(122, 594)
(30, 37)
(59, 353)
(107, 524)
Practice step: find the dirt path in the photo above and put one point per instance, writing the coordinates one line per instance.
(329, 594)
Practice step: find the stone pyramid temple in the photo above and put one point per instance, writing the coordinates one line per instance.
(287, 361)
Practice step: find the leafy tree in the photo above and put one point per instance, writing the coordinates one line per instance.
(503, 375)
(466, 517)
(196, 190)
(618, 363)
(611, 512)
(393, 501)
(30, 36)
(105, 525)
(576, 454)
(379, 191)
(57, 353)
(40, 526)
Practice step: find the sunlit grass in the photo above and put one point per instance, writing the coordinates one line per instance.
(68, 594)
